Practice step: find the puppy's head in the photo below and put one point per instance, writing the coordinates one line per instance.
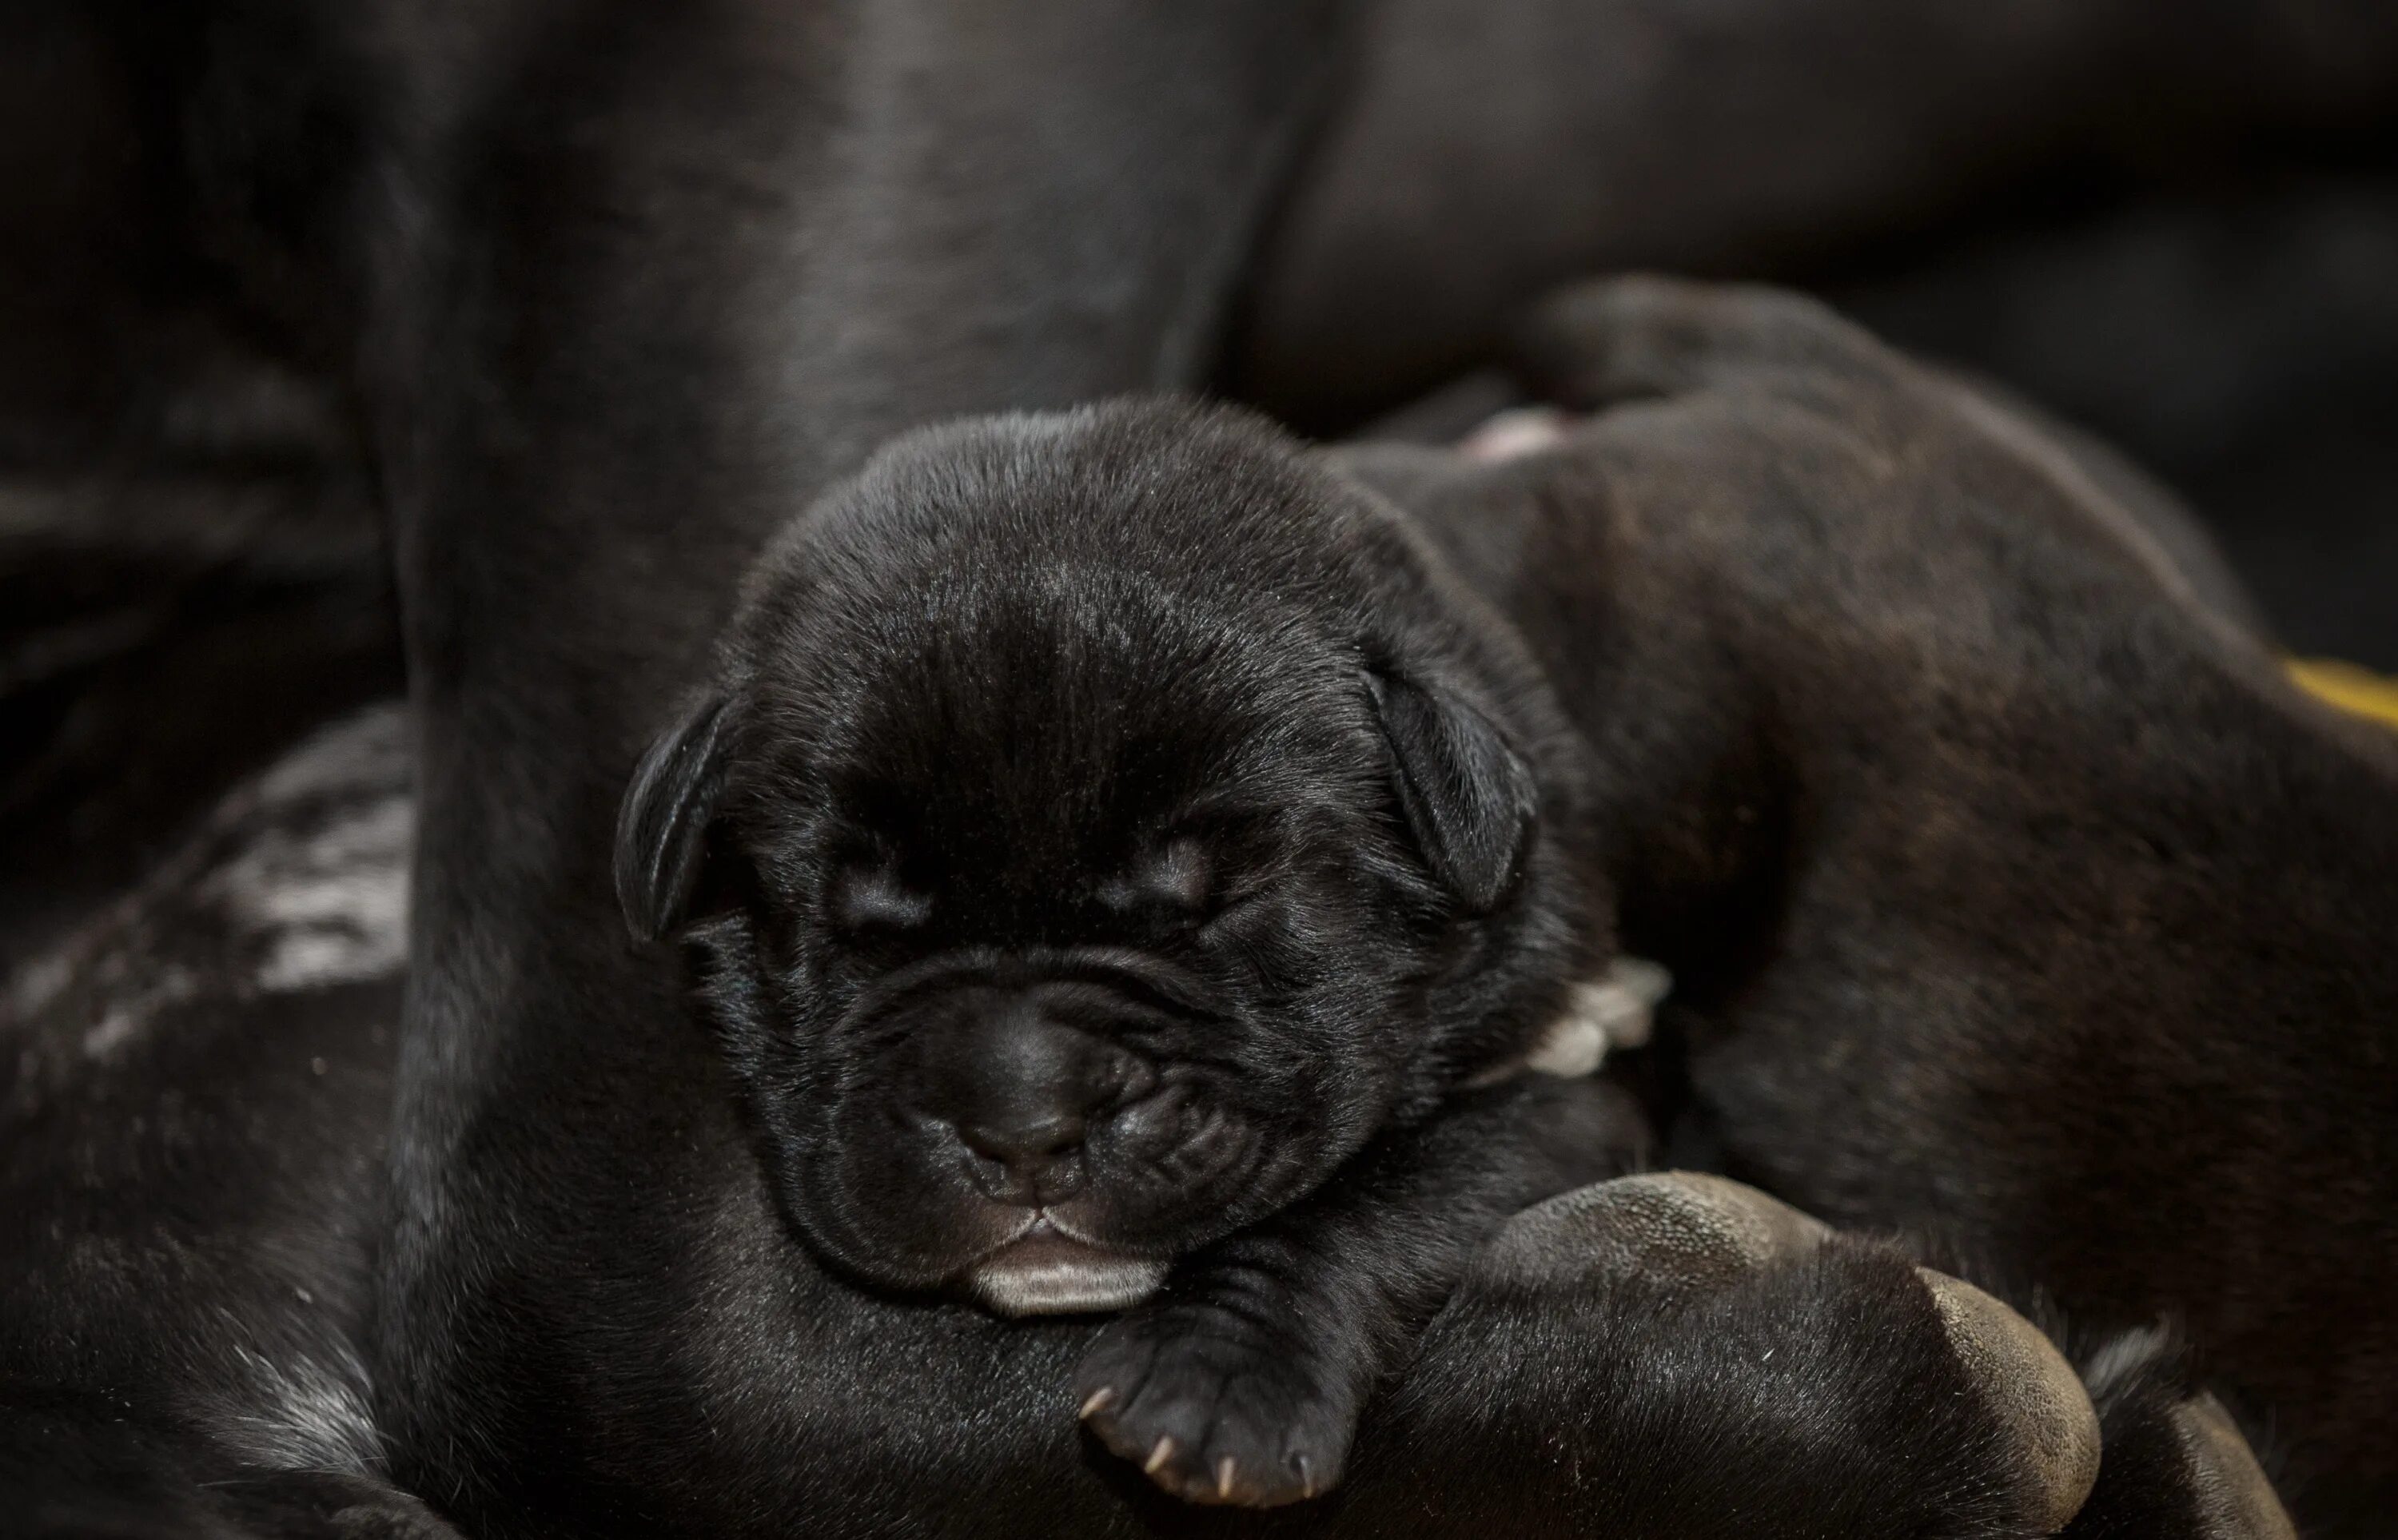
(1100, 826)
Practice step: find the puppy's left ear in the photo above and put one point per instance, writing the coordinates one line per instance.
(1469, 797)
(662, 827)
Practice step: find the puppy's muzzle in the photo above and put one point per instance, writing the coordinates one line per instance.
(1031, 1084)
(1024, 1091)
(1024, 1087)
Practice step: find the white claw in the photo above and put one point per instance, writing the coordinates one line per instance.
(1158, 1456)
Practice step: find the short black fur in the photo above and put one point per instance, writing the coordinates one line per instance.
(1144, 837)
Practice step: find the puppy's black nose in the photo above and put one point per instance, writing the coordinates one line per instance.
(1029, 1144)
(1022, 1092)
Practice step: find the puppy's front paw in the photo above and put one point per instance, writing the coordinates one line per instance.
(1217, 1407)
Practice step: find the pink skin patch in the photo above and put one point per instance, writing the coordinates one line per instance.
(1516, 432)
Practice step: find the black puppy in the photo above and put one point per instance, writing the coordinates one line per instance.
(1104, 828)
(2010, 888)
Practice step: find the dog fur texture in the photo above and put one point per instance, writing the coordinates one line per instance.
(2009, 889)
(1674, 1346)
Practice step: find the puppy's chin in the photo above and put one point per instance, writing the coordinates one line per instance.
(1048, 1274)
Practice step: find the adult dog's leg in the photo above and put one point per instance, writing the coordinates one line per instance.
(648, 277)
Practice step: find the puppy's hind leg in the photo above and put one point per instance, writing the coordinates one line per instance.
(1629, 339)
(2175, 1463)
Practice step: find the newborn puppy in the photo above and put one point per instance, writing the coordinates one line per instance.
(1124, 867)
(2011, 890)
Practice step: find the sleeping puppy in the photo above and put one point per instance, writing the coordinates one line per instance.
(1103, 829)
(2011, 890)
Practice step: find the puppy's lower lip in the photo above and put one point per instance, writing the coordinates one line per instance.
(1044, 1272)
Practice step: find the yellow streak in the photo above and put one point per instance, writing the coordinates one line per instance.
(2351, 689)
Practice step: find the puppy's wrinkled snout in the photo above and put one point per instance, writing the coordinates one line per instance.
(1027, 1146)
(1023, 1092)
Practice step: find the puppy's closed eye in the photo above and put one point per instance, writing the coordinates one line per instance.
(870, 896)
(1177, 879)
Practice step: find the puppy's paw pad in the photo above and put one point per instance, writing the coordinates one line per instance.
(2235, 1500)
(1213, 1411)
(2036, 1396)
(1671, 1229)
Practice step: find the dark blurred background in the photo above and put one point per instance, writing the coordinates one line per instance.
(2175, 223)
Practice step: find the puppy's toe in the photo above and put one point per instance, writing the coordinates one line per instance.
(1213, 1411)
(2036, 1396)
(1631, 337)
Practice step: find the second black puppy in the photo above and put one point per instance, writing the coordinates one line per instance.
(1105, 828)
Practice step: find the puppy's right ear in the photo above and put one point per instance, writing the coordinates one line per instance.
(662, 828)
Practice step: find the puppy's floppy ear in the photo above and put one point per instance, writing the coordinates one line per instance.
(662, 827)
(1468, 796)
